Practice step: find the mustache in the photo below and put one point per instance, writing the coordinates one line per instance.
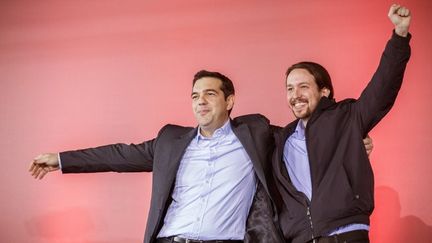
(300, 99)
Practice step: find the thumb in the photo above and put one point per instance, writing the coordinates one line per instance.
(38, 158)
(393, 9)
(41, 159)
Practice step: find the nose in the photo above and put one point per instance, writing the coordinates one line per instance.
(295, 93)
(202, 100)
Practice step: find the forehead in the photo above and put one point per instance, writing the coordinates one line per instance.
(206, 83)
(300, 75)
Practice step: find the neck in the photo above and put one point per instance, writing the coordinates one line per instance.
(207, 131)
(304, 122)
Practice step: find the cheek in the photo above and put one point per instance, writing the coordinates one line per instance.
(314, 100)
(194, 106)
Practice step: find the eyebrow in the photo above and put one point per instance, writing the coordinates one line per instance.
(206, 90)
(298, 84)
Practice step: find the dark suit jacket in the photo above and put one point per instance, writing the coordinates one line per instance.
(162, 156)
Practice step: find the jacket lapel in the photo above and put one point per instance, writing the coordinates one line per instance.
(178, 148)
(245, 137)
(278, 162)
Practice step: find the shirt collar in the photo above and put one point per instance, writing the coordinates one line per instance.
(299, 132)
(220, 132)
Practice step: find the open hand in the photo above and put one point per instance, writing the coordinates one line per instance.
(43, 164)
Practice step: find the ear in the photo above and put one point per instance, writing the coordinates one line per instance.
(230, 102)
(325, 92)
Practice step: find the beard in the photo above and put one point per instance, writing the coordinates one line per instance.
(302, 110)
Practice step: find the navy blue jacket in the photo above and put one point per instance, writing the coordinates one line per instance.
(342, 177)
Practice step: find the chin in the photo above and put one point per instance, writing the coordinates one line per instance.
(299, 115)
(203, 124)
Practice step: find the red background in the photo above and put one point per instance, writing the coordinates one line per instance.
(83, 73)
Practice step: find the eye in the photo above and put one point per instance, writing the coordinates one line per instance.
(304, 86)
(194, 97)
(289, 89)
(211, 93)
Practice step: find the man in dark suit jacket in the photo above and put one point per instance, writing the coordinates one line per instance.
(187, 182)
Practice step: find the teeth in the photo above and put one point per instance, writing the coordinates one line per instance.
(297, 105)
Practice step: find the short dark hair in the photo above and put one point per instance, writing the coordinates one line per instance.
(322, 77)
(227, 86)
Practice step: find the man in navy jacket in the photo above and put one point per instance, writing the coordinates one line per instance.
(322, 172)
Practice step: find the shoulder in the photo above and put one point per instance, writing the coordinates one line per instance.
(174, 130)
(252, 118)
(288, 129)
(343, 104)
(328, 105)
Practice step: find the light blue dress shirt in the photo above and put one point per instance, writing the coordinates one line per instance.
(297, 163)
(213, 191)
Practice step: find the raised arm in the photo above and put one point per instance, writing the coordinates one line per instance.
(380, 94)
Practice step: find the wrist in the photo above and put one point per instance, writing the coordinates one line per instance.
(401, 31)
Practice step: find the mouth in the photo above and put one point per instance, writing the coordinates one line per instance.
(299, 104)
(203, 112)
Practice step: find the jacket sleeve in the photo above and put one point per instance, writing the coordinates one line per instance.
(114, 157)
(380, 94)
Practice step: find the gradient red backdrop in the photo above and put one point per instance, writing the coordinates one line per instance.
(83, 73)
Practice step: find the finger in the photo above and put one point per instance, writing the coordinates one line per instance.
(34, 169)
(38, 171)
(42, 174)
(400, 11)
(403, 12)
(393, 9)
(32, 165)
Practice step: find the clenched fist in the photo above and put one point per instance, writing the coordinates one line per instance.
(400, 16)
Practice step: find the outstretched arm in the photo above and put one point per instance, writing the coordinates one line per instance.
(109, 158)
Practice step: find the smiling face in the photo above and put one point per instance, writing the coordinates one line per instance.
(209, 104)
(303, 93)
